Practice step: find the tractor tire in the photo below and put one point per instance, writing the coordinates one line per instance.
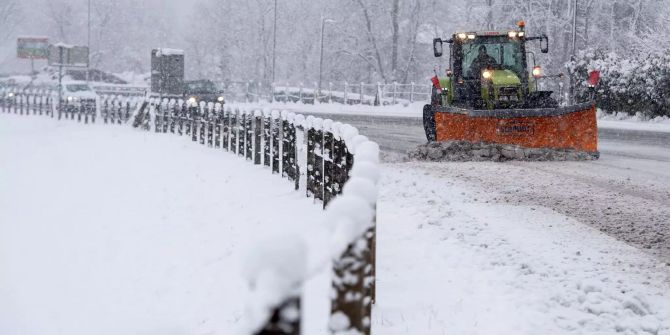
(429, 123)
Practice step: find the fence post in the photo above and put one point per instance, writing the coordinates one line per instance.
(285, 164)
(259, 91)
(211, 121)
(217, 125)
(233, 130)
(267, 158)
(258, 145)
(347, 304)
(174, 114)
(361, 93)
(345, 92)
(330, 92)
(166, 113)
(327, 162)
(395, 90)
(286, 88)
(317, 168)
(275, 141)
(193, 111)
(242, 132)
(226, 128)
(181, 117)
(272, 93)
(411, 93)
(249, 135)
(300, 93)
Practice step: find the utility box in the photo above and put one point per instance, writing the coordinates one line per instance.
(167, 71)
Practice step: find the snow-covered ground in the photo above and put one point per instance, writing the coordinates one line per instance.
(110, 230)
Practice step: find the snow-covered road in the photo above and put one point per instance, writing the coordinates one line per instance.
(454, 260)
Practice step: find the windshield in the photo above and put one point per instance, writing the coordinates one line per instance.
(497, 52)
(78, 88)
(201, 87)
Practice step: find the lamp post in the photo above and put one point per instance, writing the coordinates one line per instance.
(274, 45)
(323, 26)
(88, 44)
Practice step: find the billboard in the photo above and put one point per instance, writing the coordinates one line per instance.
(73, 55)
(32, 47)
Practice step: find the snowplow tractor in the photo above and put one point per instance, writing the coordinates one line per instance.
(490, 96)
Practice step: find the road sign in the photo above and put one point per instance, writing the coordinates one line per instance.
(72, 55)
(32, 47)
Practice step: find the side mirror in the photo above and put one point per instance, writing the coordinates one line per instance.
(544, 48)
(437, 47)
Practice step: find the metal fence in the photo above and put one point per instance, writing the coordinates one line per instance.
(277, 141)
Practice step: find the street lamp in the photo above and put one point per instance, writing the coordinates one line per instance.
(274, 46)
(323, 28)
(88, 43)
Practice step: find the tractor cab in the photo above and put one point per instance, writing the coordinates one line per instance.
(490, 70)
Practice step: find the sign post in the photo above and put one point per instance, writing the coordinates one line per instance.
(64, 55)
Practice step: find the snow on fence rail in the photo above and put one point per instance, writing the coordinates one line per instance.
(327, 160)
(346, 93)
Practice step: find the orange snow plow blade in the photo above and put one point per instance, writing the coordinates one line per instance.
(572, 127)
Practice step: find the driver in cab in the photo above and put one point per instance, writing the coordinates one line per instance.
(482, 62)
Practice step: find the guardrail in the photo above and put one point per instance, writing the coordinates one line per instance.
(328, 161)
(121, 90)
(374, 94)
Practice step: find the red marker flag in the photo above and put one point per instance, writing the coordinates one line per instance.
(436, 82)
(594, 78)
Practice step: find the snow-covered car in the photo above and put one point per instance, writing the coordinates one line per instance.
(76, 94)
(202, 90)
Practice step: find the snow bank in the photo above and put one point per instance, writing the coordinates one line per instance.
(275, 269)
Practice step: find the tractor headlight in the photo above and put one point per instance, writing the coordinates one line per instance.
(512, 34)
(521, 33)
(487, 74)
(192, 100)
(462, 36)
(220, 99)
(471, 36)
(537, 71)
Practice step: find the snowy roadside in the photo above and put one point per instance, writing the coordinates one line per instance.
(452, 261)
(415, 110)
(108, 230)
